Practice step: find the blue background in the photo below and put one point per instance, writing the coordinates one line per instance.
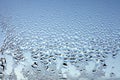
(68, 15)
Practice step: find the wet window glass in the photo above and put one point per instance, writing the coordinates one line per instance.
(59, 40)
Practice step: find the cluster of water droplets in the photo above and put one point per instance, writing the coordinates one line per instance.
(76, 56)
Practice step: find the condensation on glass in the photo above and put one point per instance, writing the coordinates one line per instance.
(75, 56)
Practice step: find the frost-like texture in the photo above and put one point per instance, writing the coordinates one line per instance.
(76, 56)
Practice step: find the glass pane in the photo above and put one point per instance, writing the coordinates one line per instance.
(59, 40)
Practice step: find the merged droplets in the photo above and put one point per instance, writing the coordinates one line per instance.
(70, 52)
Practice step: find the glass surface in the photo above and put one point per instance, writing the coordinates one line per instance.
(59, 40)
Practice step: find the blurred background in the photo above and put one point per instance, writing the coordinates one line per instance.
(82, 23)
